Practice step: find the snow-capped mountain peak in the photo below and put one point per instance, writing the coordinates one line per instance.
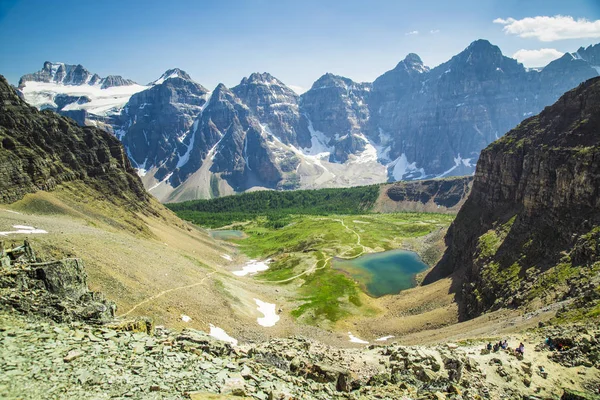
(171, 73)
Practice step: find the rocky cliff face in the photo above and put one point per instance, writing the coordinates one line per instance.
(275, 106)
(154, 124)
(337, 108)
(530, 228)
(39, 150)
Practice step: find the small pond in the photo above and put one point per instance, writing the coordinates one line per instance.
(227, 234)
(388, 272)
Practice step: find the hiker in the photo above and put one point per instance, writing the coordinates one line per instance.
(496, 347)
(489, 346)
(520, 351)
(504, 345)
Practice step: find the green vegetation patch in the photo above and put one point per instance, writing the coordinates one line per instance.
(490, 242)
(327, 294)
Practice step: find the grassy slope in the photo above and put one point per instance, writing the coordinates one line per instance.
(131, 257)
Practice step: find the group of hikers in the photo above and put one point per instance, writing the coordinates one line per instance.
(503, 345)
(558, 344)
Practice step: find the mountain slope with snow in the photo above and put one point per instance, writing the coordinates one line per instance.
(412, 122)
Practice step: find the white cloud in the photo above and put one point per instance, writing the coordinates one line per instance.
(548, 29)
(412, 33)
(537, 58)
(297, 89)
(434, 31)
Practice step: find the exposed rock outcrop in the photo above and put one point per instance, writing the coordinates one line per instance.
(54, 289)
(433, 195)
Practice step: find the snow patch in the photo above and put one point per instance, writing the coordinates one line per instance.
(384, 338)
(354, 339)
(368, 155)
(458, 160)
(186, 156)
(318, 142)
(268, 310)
(11, 211)
(252, 267)
(185, 318)
(227, 257)
(220, 334)
(402, 167)
(23, 229)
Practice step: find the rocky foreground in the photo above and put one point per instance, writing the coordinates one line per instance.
(43, 359)
(58, 340)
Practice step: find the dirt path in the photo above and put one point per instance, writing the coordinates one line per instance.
(308, 271)
(156, 296)
(364, 248)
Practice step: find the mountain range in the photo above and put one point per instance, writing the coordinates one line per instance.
(412, 122)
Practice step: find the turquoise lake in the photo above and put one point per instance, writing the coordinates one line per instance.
(388, 272)
(227, 234)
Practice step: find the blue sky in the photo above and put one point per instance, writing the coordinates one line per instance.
(297, 41)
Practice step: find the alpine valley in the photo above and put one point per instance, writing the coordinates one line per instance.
(413, 122)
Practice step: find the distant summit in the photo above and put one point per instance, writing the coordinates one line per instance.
(74, 75)
(169, 74)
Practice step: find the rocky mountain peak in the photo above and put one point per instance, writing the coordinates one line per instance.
(413, 62)
(481, 52)
(115, 80)
(171, 73)
(590, 54)
(60, 73)
(331, 80)
(264, 78)
(220, 93)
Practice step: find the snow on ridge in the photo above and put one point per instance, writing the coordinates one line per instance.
(458, 160)
(163, 78)
(370, 154)
(103, 102)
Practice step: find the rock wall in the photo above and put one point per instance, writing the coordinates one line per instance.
(39, 150)
(433, 195)
(531, 222)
